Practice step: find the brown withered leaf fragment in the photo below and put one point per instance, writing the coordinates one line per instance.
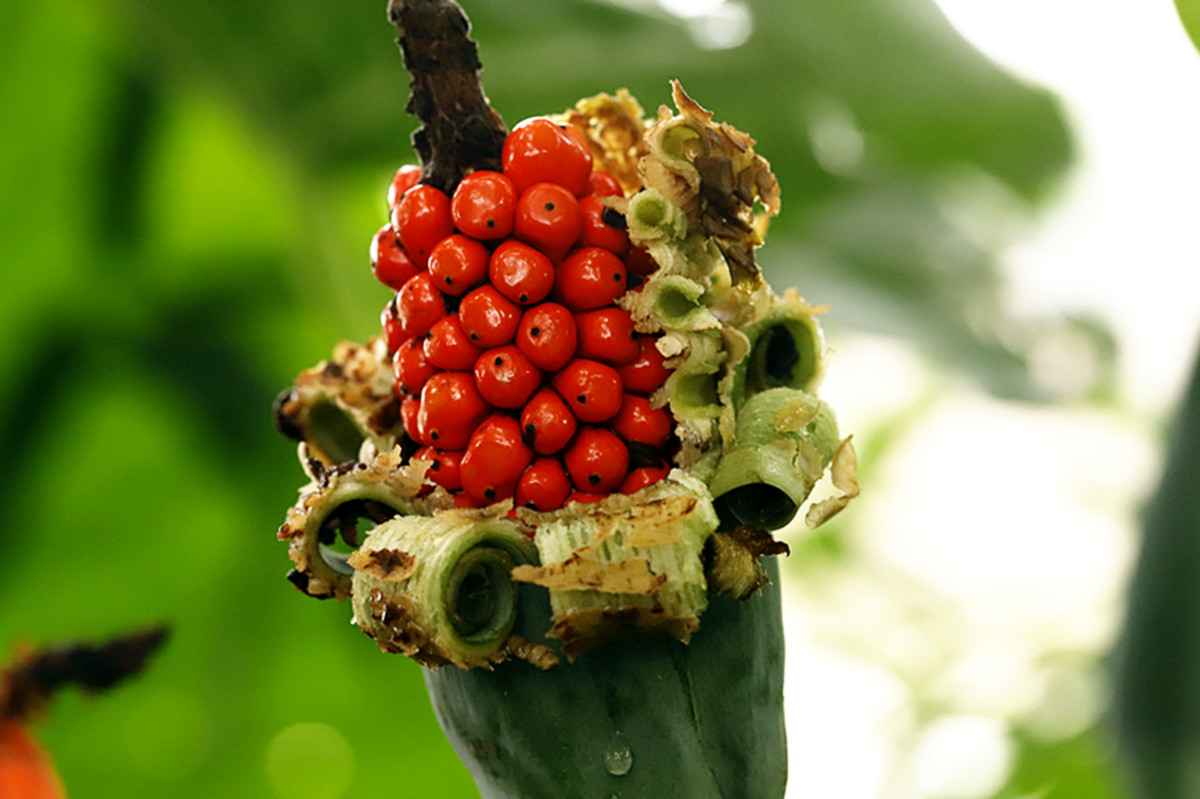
(844, 471)
(631, 576)
(34, 676)
(384, 564)
(733, 563)
(459, 130)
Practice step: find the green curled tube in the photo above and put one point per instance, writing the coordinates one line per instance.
(439, 588)
(786, 351)
(783, 443)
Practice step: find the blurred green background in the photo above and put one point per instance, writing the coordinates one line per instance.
(187, 194)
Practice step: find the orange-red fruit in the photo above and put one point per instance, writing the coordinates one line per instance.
(639, 262)
(539, 150)
(483, 205)
(405, 178)
(505, 378)
(641, 477)
(547, 424)
(544, 486)
(458, 263)
(645, 373)
(410, 367)
(418, 305)
(489, 317)
(494, 460)
(548, 218)
(589, 278)
(393, 331)
(602, 184)
(410, 411)
(389, 262)
(444, 466)
(521, 273)
(637, 422)
(422, 219)
(447, 345)
(26, 771)
(548, 336)
(592, 390)
(451, 409)
(606, 334)
(602, 227)
(597, 460)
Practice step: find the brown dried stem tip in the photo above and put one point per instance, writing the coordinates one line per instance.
(459, 130)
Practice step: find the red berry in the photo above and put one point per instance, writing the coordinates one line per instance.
(639, 261)
(589, 278)
(457, 263)
(393, 331)
(489, 318)
(607, 335)
(444, 469)
(641, 477)
(602, 227)
(645, 373)
(451, 409)
(540, 150)
(591, 389)
(580, 496)
(597, 460)
(448, 347)
(483, 205)
(418, 305)
(389, 262)
(548, 336)
(602, 184)
(544, 486)
(410, 410)
(405, 178)
(547, 424)
(521, 273)
(505, 377)
(494, 460)
(422, 219)
(410, 367)
(548, 218)
(638, 423)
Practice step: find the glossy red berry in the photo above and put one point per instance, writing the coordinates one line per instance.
(410, 410)
(641, 477)
(592, 390)
(540, 150)
(418, 305)
(405, 178)
(489, 318)
(458, 263)
(547, 424)
(410, 367)
(447, 346)
(422, 219)
(606, 334)
(602, 184)
(444, 466)
(647, 372)
(544, 486)
(597, 460)
(393, 331)
(389, 262)
(505, 378)
(451, 409)
(483, 205)
(548, 336)
(586, 498)
(602, 227)
(521, 273)
(548, 218)
(638, 423)
(589, 278)
(639, 261)
(494, 460)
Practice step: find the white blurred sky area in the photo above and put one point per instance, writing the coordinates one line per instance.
(993, 541)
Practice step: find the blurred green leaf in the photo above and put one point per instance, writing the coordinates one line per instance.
(1189, 15)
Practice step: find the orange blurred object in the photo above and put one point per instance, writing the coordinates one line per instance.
(25, 769)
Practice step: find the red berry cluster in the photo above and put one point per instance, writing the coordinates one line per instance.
(518, 374)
